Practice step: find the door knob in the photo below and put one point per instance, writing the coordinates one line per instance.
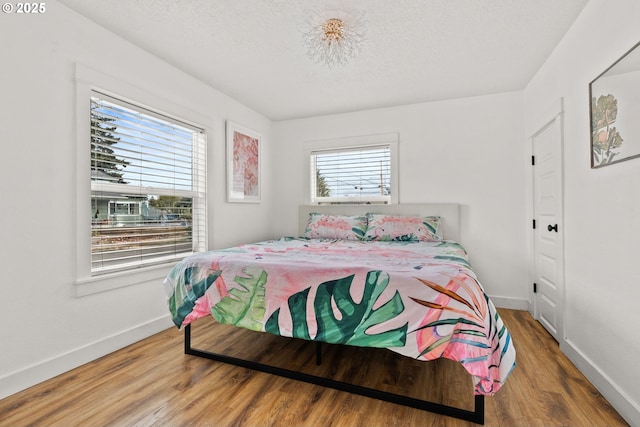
(553, 228)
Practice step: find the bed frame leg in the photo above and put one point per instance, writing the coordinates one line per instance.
(478, 416)
(187, 339)
(318, 353)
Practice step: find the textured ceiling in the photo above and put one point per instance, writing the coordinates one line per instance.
(415, 50)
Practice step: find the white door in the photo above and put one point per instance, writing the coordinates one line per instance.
(548, 227)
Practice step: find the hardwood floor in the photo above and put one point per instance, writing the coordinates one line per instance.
(153, 383)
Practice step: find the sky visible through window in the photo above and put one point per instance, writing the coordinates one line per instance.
(147, 152)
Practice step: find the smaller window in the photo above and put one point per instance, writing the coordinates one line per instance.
(353, 170)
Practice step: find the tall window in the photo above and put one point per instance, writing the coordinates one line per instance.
(351, 175)
(147, 186)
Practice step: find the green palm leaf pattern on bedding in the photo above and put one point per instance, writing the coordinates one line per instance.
(245, 306)
(356, 318)
(360, 232)
(184, 297)
(456, 253)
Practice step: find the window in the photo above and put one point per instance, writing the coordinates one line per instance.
(147, 186)
(343, 171)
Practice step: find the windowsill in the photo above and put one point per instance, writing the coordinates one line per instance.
(121, 279)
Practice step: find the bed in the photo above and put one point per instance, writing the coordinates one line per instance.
(381, 276)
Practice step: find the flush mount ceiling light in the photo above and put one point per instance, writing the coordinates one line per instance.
(334, 37)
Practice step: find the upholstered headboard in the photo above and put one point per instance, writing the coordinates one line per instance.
(449, 213)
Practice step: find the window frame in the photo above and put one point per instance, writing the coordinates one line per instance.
(87, 82)
(143, 129)
(350, 143)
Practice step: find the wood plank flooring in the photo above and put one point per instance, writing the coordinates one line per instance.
(152, 383)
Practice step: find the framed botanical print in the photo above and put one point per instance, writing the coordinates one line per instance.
(243, 164)
(614, 110)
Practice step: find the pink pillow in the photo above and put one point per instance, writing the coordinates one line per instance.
(324, 226)
(403, 228)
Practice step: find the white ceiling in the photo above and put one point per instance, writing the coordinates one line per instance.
(415, 50)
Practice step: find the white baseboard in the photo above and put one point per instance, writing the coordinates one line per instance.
(623, 403)
(47, 369)
(510, 303)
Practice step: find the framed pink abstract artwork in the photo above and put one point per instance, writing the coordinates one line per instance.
(243, 164)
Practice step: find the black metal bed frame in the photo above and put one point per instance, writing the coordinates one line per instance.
(476, 416)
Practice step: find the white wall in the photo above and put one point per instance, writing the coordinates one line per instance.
(45, 329)
(469, 151)
(602, 209)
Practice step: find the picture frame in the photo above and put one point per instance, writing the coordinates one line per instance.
(243, 155)
(613, 109)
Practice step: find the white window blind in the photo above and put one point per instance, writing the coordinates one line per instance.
(147, 186)
(351, 175)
